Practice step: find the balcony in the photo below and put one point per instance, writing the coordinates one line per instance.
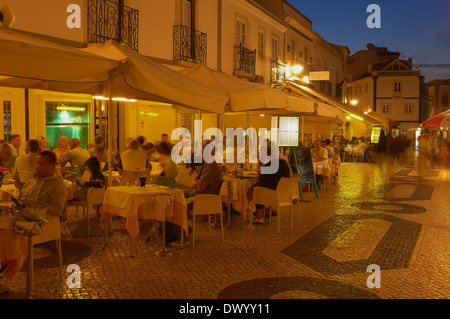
(277, 72)
(110, 20)
(189, 45)
(244, 62)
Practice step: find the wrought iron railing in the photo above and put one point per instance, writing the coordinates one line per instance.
(189, 44)
(277, 72)
(111, 20)
(244, 59)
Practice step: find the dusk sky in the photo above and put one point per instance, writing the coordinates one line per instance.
(415, 28)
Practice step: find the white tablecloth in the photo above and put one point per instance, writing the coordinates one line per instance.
(130, 198)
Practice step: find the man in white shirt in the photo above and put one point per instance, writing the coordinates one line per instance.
(133, 159)
(25, 167)
(76, 156)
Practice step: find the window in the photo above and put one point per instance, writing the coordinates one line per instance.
(240, 32)
(444, 99)
(292, 50)
(367, 87)
(360, 90)
(305, 55)
(397, 86)
(386, 108)
(7, 120)
(261, 44)
(408, 108)
(274, 49)
(186, 13)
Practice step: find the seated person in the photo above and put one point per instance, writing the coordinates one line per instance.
(45, 189)
(26, 164)
(6, 152)
(209, 178)
(170, 169)
(270, 180)
(96, 179)
(133, 159)
(76, 156)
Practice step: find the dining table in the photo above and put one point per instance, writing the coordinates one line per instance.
(135, 202)
(234, 191)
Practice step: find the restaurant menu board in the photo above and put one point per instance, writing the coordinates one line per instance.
(304, 162)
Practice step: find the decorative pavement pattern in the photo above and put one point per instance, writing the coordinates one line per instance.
(376, 214)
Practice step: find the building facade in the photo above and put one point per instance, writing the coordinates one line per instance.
(439, 91)
(245, 38)
(388, 85)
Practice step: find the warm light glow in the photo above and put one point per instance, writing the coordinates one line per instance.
(354, 102)
(348, 118)
(366, 112)
(305, 79)
(122, 99)
(356, 117)
(70, 108)
(152, 114)
(64, 115)
(296, 69)
(261, 115)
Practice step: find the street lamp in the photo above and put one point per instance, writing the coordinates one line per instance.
(354, 102)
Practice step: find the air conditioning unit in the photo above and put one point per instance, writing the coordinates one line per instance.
(7, 16)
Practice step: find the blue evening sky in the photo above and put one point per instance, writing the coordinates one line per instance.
(415, 28)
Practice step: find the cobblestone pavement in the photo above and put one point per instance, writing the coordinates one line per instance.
(376, 214)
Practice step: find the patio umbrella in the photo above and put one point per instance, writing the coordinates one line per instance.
(248, 96)
(141, 78)
(29, 62)
(440, 120)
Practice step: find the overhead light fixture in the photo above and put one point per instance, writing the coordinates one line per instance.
(354, 102)
(121, 99)
(70, 108)
(348, 118)
(262, 115)
(305, 79)
(356, 117)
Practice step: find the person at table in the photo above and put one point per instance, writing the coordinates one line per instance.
(151, 151)
(15, 143)
(141, 141)
(25, 167)
(96, 179)
(76, 156)
(170, 169)
(6, 153)
(209, 179)
(165, 140)
(63, 147)
(43, 143)
(320, 161)
(99, 142)
(133, 159)
(270, 180)
(46, 188)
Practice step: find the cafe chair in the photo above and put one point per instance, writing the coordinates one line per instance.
(281, 197)
(50, 232)
(132, 176)
(206, 204)
(94, 197)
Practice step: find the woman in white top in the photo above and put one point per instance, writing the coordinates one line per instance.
(63, 147)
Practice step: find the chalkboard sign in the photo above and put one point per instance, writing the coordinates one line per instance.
(301, 160)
